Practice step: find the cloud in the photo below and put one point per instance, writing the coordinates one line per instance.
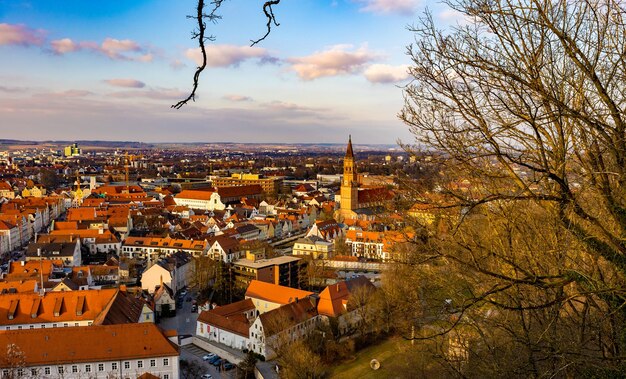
(128, 83)
(112, 48)
(177, 64)
(237, 98)
(228, 55)
(401, 7)
(72, 93)
(152, 93)
(384, 73)
(285, 106)
(332, 62)
(452, 16)
(63, 46)
(12, 89)
(11, 34)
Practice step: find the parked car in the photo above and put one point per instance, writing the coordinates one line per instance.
(209, 356)
(214, 360)
(207, 376)
(228, 366)
(194, 308)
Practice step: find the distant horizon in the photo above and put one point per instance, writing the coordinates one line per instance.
(6, 141)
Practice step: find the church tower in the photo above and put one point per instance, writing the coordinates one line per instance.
(349, 185)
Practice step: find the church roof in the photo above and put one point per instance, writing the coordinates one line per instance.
(349, 153)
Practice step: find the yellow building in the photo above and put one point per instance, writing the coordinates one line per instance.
(270, 185)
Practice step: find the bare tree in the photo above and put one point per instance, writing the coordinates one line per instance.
(525, 101)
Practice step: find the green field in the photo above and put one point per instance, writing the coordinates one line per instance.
(390, 353)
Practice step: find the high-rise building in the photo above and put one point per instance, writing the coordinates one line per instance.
(73, 150)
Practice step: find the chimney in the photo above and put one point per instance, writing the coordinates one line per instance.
(38, 253)
(22, 262)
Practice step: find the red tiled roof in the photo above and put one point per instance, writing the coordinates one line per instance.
(105, 343)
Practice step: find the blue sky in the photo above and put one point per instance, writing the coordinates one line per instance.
(110, 70)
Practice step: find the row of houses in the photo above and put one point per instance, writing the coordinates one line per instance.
(273, 315)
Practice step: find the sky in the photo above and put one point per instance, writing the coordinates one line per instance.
(109, 70)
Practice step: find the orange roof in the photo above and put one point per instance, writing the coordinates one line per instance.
(54, 306)
(362, 236)
(229, 317)
(18, 286)
(334, 298)
(79, 214)
(275, 293)
(171, 243)
(195, 194)
(105, 343)
(105, 236)
(29, 270)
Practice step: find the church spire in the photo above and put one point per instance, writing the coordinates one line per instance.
(349, 153)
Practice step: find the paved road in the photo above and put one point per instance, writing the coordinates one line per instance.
(184, 321)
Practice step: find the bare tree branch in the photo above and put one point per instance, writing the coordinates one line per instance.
(200, 35)
(269, 13)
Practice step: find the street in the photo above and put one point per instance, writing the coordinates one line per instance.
(185, 323)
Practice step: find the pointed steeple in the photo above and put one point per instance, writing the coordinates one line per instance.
(349, 153)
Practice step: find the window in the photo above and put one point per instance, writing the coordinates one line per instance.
(127, 365)
(32, 326)
(60, 369)
(100, 366)
(114, 366)
(139, 364)
(152, 362)
(87, 368)
(33, 372)
(166, 376)
(166, 362)
(74, 368)
(46, 370)
(20, 372)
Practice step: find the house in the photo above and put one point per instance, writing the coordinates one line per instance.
(28, 310)
(200, 199)
(228, 324)
(268, 296)
(173, 271)
(314, 247)
(283, 325)
(148, 247)
(328, 230)
(68, 252)
(164, 301)
(6, 190)
(242, 326)
(123, 350)
(225, 248)
(338, 301)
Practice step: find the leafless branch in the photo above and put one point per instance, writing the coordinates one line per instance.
(269, 14)
(200, 35)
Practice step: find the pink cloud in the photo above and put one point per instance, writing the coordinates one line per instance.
(227, 55)
(332, 62)
(402, 7)
(127, 83)
(237, 98)
(21, 35)
(115, 49)
(72, 93)
(384, 73)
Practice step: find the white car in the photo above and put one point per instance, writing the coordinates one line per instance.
(208, 356)
(207, 376)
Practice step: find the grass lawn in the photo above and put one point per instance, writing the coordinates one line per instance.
(388, 352)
